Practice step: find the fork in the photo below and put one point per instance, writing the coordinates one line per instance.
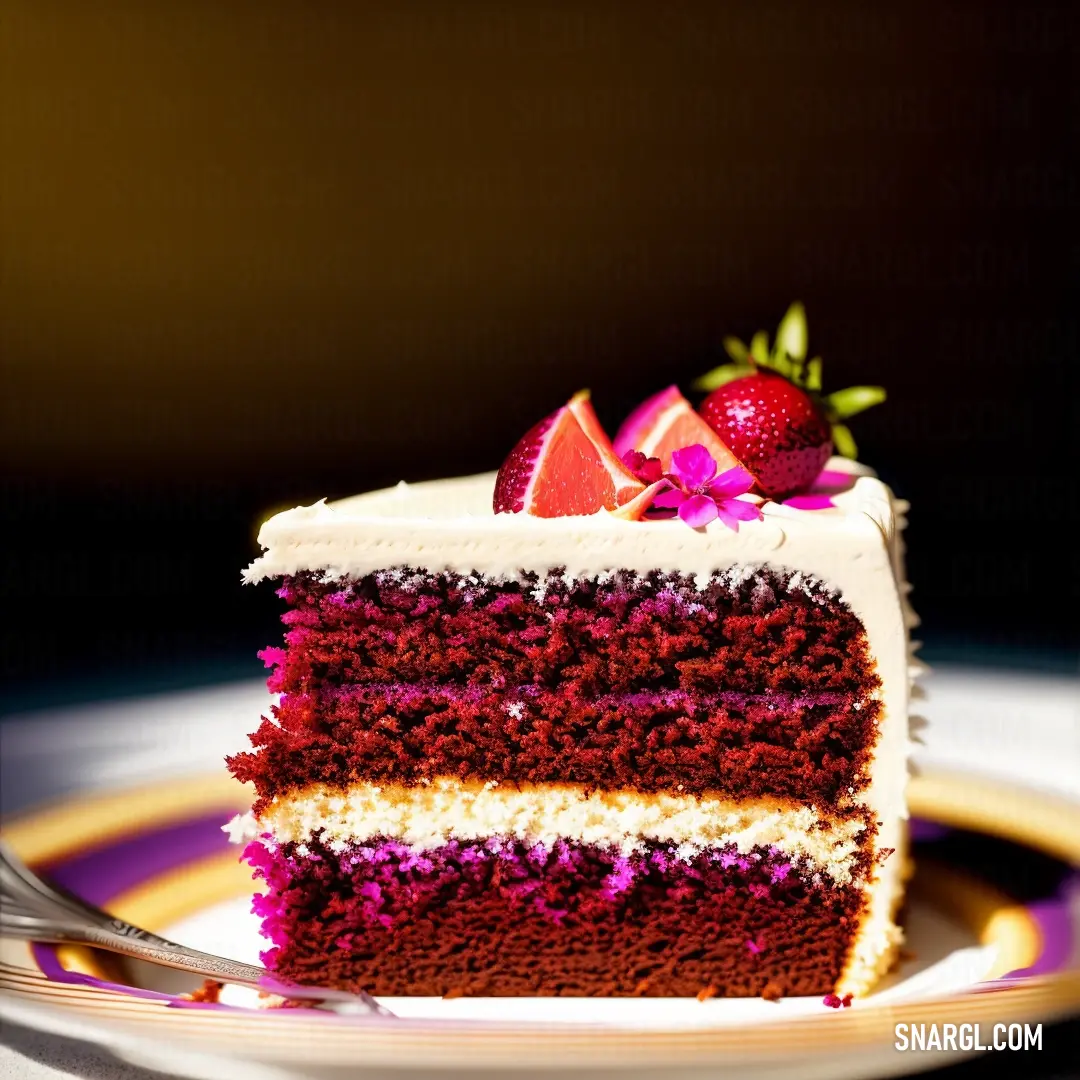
(33, 909)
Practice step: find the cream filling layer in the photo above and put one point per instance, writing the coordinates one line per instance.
(429, 816)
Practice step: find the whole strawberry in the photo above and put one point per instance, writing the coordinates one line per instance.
(774, 428)
(768, 407)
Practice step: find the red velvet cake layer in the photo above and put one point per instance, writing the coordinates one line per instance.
(783, 747)
(499, 918)
(754, 633)
(753, 684)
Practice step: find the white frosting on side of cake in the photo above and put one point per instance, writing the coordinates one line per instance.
(879, 937)
(427, 817)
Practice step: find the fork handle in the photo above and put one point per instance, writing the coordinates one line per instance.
(35, 910)
(127, 940)
(121, 937)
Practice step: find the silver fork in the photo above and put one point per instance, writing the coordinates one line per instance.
(32, 909)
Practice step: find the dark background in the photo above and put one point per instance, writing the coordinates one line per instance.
(255, 254)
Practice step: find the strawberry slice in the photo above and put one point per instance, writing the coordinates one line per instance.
(565, 466)
(666, 422)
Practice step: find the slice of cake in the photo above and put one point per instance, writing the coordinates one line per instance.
(654, 744)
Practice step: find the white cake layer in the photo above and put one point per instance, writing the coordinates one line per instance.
(448, 809)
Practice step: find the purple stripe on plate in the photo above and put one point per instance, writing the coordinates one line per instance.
(1056, 922)
(99, 874)
(923, 831)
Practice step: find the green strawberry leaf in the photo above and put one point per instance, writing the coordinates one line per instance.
(855, 399)
(759, 347)
(725, 373)
(736, 349)
(844, 441)
(813, 374)
(784, 365)
(791, 333)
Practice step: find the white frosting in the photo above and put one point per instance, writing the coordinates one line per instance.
(854, 548)
(448, 809)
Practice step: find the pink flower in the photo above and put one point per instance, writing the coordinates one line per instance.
(694, 490)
